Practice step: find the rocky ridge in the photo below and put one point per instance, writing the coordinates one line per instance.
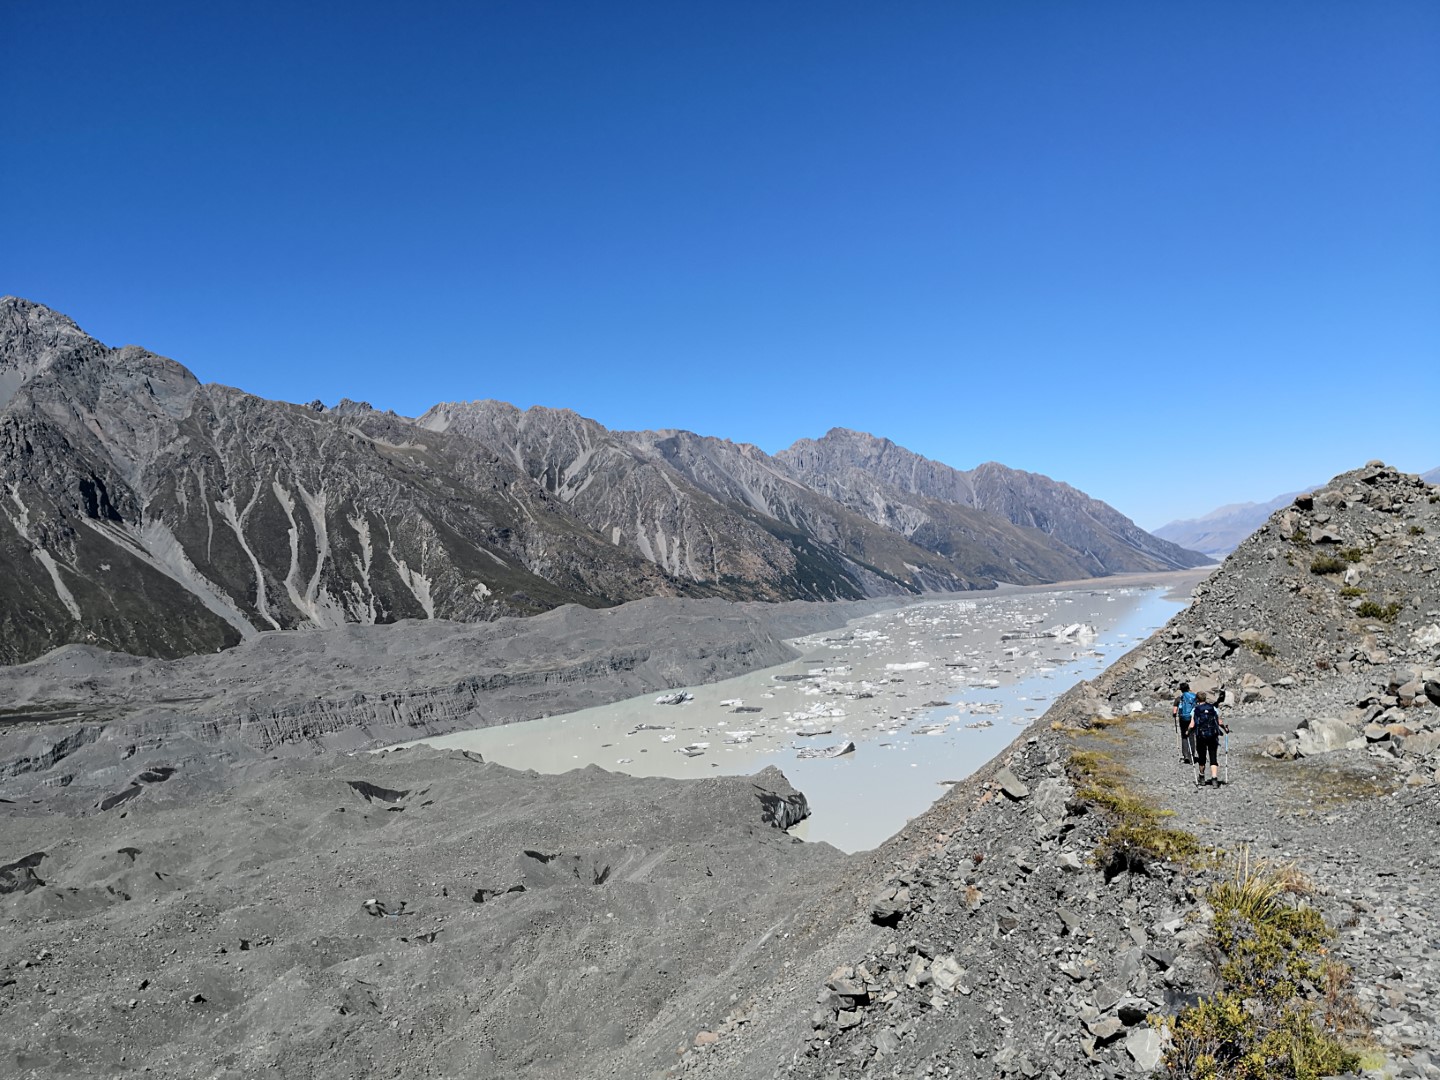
(1220, 531)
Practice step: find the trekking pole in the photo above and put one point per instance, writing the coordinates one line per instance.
(1227, 757)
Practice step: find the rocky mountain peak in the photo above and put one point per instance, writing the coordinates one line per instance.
(31, 337)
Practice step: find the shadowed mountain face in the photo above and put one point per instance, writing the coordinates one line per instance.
(145, 512)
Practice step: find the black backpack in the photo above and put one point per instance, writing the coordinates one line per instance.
(1207, 721)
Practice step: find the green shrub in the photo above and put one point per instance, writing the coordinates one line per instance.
(1354, 554)
(1327, 564)
(1262, 1022)
(1369, 609)
(1260, 647)
(1350, 592)
(1417, 530)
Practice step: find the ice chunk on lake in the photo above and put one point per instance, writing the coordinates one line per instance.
(838, 750)
(912, 665)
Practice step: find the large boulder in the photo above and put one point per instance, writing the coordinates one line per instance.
(1324, 735)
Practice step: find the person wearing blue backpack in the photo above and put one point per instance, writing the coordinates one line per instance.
(1205, 723)
(1184, 706)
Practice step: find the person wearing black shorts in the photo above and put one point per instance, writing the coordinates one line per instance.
(1205, 723)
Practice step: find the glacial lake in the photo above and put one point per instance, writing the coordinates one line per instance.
(927, 693)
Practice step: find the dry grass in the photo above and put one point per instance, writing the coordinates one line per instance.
(1137, 833)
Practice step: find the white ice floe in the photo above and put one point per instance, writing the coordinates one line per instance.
(912, 665)
(838, 750)
(677, 697)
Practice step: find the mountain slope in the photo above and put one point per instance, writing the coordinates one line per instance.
(625, 487)
(708, 509)
(931, 503)
(142, 511)
(1220, 531)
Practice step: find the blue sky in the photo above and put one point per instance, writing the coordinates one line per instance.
(1175, 254)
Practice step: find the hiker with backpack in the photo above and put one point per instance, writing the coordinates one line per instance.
(1184, 706)
(1205, 723)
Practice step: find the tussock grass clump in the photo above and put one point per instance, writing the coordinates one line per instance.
(1327, 564)
(1350, 592)
(1369, 609)
(1283, 1009)
(1354, 554)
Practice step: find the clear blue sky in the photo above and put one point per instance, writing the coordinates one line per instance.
(1175, 254)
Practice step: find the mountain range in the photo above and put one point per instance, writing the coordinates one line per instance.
(143, 511)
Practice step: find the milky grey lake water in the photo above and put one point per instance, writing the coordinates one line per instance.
(927, 693)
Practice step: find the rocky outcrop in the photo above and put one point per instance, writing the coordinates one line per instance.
(1008, 934)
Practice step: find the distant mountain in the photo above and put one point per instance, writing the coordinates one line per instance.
(937, 506)
(707, 508)
(1221, 530)
(145, 512)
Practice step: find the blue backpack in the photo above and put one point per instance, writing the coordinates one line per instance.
(1187, 705)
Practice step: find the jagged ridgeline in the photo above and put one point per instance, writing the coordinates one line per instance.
(143, 511)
